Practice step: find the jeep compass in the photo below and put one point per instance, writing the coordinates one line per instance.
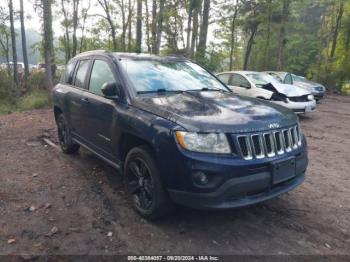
(176, 133)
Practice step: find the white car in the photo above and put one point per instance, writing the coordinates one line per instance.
(318, 90)
(263, 86)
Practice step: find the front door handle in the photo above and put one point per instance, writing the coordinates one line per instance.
(84, 100)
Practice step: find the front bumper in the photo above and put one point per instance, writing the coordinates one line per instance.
(243, 190)
(298, 107)
(319, 95)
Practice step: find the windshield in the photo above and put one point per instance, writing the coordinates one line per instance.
(167, 75)
(260, 79)
(299, 78)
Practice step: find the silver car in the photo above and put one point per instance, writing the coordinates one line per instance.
(316, 89)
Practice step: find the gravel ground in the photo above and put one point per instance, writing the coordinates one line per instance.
(51, 203)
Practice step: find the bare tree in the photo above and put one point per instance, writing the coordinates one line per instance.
(47, 24)
(24, 44)
(160, 18)
(66, 35)
(253, 28)
(148, 41)
(14, 50)
(154, 26)
(204, 29)
(84, 15)
(232, 34)
(139, 26)
(189, 22)
(75, 26)
(108, 16)
(282, 35)
(196, 8)
(336, 28)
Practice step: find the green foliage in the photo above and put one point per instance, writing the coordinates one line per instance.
(35, 100)
(37, 80)
(7, 89)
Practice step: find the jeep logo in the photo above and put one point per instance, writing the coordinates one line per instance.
(274, 125)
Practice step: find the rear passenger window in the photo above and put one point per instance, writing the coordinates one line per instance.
(101, 73)
(68, 73)
(238, 80)
(81, 73)
(224, 78)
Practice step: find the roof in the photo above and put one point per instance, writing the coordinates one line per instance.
(241, 72)
(134, 56)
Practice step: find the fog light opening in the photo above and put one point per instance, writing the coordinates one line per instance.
(200, 178)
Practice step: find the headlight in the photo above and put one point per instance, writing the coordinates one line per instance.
(203, 142)
(310, 97)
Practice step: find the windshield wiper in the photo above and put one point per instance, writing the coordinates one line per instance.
(159, 91)
(205, 89)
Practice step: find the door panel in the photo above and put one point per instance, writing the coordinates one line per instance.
(101, 116)
(240, 85)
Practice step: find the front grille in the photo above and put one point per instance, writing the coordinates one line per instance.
(299, 98)
(268, 144)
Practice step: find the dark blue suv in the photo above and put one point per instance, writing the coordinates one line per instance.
(176, 133)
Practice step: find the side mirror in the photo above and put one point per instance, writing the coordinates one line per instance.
(111, 90)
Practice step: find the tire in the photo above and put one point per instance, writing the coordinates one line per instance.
(65, 137)
(143, 184)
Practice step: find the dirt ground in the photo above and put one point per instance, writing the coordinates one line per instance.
(51, 203)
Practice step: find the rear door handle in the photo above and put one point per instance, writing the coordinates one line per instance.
(84, 100)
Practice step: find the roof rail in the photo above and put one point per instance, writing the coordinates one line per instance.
(93, 52)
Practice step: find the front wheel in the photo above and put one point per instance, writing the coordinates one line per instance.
(65, 137)
(143, 184)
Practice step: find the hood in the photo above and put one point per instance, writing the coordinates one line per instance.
(211, 111)
(308, 85)
(290, 90)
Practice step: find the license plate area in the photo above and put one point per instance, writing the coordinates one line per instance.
(308, 109)
(283, 170)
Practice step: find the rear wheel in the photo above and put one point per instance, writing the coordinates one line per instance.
(143, 184)
(65, 137)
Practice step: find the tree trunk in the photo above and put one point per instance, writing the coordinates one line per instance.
(282, 35)
(129, 25)
(154, 26)
(204, 29)
(249, 46)
(105, 7)
(268, 34)
(24, 45)
(75, 26)
(147, 29)
(83, 28)
(336, 29)
(160, 25)
(194, 30)
(14, 50)
(66, 37)
(139, 26)
(47, 15)
(233, 29)
(6, 47)
(189, 22)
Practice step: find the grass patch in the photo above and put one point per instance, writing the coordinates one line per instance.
(34, 100)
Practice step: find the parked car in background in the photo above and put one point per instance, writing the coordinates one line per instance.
(264, 86)
(318, 90)
(176, 133)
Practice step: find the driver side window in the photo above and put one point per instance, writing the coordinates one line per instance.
(288, 79)
(238, 80)
(101, 73)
